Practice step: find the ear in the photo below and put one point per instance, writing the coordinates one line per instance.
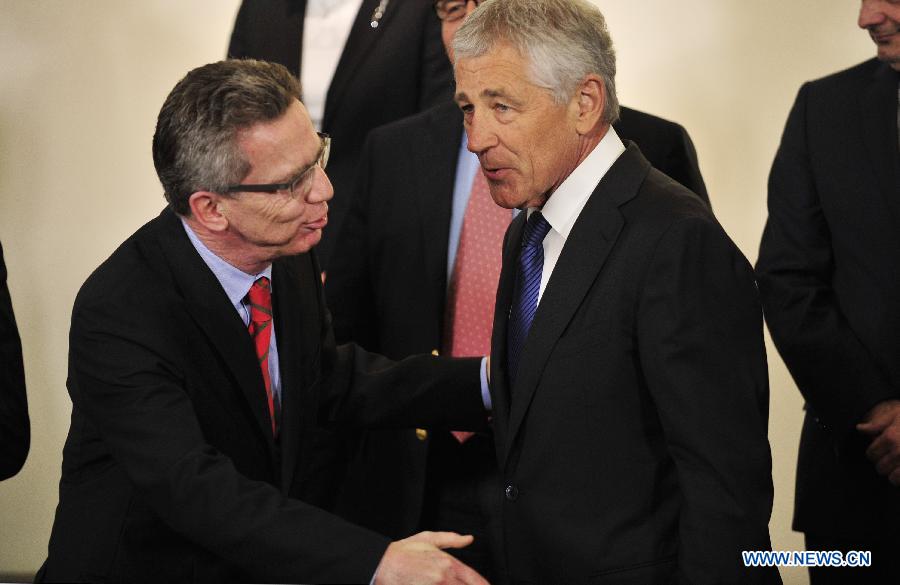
(209, 210)
(590, 100)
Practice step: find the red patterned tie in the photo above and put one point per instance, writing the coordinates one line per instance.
(260, 297)
(473, 283)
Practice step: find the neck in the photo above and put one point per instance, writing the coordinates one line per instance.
(225, 246)
(586, 144)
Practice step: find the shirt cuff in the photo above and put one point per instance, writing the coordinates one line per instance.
(485, 388)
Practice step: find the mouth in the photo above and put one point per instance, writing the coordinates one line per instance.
(318, 224)
(495, 173)
(881, 38)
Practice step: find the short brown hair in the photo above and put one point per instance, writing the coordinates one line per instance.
(195, 147)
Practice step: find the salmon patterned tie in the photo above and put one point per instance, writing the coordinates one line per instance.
(473, 282)
(260, 328)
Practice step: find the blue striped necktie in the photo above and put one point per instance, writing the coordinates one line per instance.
(525, 293)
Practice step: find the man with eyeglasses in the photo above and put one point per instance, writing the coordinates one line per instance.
(403, 281)
(202, 360)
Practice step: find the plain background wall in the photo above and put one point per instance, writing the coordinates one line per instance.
(82, 83)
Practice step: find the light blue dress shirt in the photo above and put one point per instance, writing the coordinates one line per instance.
(236, 284)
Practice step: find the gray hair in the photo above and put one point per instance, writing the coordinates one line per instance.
(195, 145)
(564, 40)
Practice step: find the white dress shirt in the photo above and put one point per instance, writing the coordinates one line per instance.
(326, 28)
(565, 204)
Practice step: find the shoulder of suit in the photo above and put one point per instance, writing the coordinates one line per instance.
(135, 273)
(859, 73)
(634, 124)
(662, 199)
(446, 113)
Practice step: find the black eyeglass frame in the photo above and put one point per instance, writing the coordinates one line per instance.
(321, 161)
(459, 11)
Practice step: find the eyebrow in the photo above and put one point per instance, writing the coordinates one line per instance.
(490, 93)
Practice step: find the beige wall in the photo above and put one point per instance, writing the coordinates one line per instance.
(82, 83)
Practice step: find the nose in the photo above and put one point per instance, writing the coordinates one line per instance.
(480, 134)
(870, 14)
(321, 188)
(471, 5)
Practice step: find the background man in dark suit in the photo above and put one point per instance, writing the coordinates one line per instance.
(15, 432)
(201, 356)
(388, 290)
(379, 74)
(628, 371)
(829, 275)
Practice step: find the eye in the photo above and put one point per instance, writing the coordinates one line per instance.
(454, 10)
(301, 184)
(501, 107)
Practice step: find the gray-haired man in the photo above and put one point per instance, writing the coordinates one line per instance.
(628, 375)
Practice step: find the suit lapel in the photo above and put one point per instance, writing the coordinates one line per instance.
(210, 308)
(435, 153)
(879, 114)
(297, 333)
(359, 45)
(589, 243)
(499, 377)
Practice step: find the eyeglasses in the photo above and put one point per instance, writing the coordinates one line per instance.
(300, 184)
(453, 10)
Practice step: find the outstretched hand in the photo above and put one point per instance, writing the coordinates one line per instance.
(419, 560)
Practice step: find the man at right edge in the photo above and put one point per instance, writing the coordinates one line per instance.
(829, 276)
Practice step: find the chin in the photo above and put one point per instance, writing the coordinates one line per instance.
(306, 242)
(505, 196)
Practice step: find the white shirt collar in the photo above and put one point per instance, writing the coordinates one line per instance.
(566, 203)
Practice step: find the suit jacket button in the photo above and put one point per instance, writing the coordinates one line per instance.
(421, 434)
(512, 493)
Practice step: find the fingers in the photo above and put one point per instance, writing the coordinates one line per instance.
(443, 539)
(880, 447)
(894, 477)
(417, 560)
(870, 428)
(884, 452)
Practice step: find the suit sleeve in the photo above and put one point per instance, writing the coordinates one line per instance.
(369, 390)
(701, 350)
(682, 164)
(127, 384)
(836, 373)
(15, 433)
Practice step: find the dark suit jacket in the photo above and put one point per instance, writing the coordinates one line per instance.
(387, 285)
(170, 469)
(633, 443)
(15, 434)
(384, 74)
(829, 275)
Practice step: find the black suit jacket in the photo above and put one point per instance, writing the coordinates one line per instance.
(385, 73)
(170, 469)
(633, 443)
(388, 282)
(15, 433)
(829, 274)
